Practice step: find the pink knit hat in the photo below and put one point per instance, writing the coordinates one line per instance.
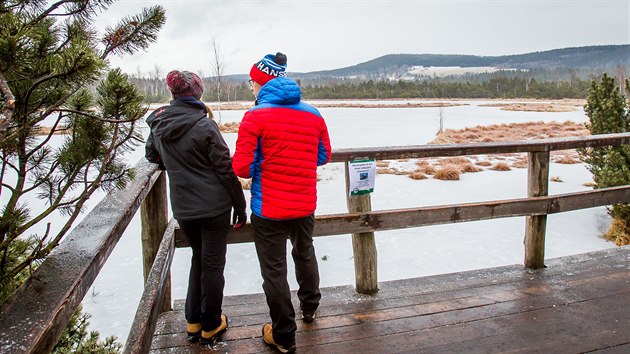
(184, 83)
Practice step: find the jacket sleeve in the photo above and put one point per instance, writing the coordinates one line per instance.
(151, 153)
(219, 155)
(324, 150)
(246, 145)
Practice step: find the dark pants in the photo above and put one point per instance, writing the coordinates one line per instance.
(208, 240)
(270, 237)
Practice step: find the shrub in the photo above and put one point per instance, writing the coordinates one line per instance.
(609, 112)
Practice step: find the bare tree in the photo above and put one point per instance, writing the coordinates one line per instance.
(217, 70)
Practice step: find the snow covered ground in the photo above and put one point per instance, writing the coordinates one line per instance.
(406, 253)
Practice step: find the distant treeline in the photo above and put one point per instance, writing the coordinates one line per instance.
(155, 90)
(499, 87)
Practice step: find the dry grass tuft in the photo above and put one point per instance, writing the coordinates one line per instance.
(520, 163)
(389, 171)
(426, 169)
(590, 184)
(555, 179)
(447, 173)
(619, 232)
(501, 166)
(230, 127)
(442, 138)
(469, 168)
(383, 163)
(483, 163)
(417, 175)
(566, 159)
(246, 183)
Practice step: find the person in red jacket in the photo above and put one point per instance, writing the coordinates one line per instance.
(281, 141)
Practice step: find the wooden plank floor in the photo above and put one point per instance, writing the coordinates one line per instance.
(577, 304)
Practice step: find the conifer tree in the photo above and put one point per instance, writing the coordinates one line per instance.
(608, 112)
(54, 79)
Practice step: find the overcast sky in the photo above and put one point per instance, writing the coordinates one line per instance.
(331, 34)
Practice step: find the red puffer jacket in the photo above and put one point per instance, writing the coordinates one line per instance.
(281, 141)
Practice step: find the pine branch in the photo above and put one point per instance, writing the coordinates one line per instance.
(85, 114)
(20, 230)
(45, 141)
(9, 105)
(134, 33)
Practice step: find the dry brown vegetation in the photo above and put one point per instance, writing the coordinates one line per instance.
(447, 173)
(566, 159)
(390, 171)
(483, 163)
(501, 166)
(534, 107)
(384, 105)
(520, 163)
(618, 232)
(417, 175)
(511, 132)
(230, 127)
(246, 183)
(450, 168)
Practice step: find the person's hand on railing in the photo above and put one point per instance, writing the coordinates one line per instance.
(239, 218)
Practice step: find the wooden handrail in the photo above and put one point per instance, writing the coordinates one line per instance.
(419, 151)
(382, 220)
(33, 318)
(143, 325)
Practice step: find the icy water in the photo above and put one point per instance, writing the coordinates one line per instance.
(406, 253)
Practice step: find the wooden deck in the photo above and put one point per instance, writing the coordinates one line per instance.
(577, 304)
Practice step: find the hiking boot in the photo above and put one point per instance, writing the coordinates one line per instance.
(193, 330)
(267, 334)
(308, 316)
(208, 338)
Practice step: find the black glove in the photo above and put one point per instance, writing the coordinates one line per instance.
(239, 218)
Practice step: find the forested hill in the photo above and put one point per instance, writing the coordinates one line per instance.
(589, 59)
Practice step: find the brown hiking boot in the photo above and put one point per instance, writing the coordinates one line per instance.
(193, 330)
(208, 338)
(267, 333)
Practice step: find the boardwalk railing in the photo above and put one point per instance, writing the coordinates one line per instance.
(33, 319)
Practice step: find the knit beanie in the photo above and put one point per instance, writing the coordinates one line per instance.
(184, 83)
(269, 67)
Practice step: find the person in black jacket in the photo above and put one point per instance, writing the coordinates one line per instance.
(203, 189)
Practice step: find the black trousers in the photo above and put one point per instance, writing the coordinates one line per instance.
(270, 238)
(208, 240)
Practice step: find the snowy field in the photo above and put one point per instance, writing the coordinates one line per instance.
(406, 253)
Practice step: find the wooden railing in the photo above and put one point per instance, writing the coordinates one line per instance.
(32, 320)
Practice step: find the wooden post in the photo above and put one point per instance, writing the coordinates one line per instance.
(154, 219)
(535, 227)
(363, 245)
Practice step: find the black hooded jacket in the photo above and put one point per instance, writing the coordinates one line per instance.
(185, 142)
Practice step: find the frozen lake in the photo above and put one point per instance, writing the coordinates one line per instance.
(402, 254)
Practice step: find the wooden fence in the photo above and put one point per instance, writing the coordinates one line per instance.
(33, 319)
